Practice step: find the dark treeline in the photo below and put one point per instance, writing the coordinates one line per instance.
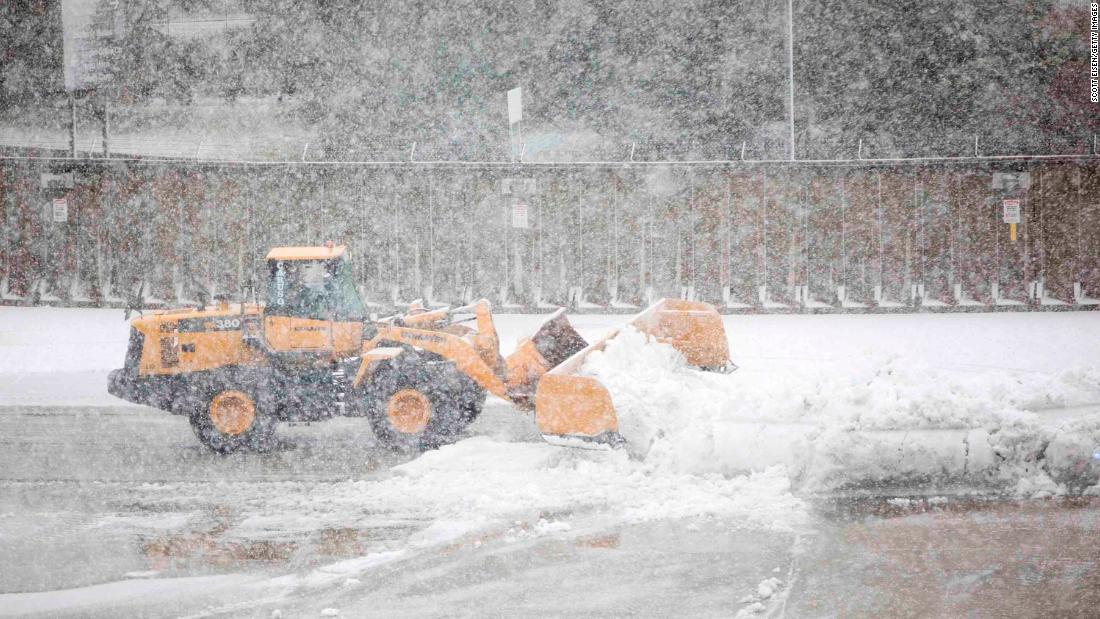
(705, 75)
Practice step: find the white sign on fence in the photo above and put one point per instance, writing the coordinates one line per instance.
(517, 186)
(56, 181)
(519, 214)
(60, 210)
(515, 105)
(1011, 211)
(1011, 181)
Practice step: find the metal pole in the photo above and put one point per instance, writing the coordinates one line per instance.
(956, 233)
(363, 233)
(691, 221)
(611, 243)
(790, 71)
(728, 215)
(541, 265)
(580, 242)
(881, 239)
(1042, 229)
(324, 211)
(398, 206)
(764, 218)
(106, 127)
(804, 210)
(642, 258)
(843, 233)
(72, 126)
(431, 236)
(992, 219)
(505, 276)
(1079, 262)
(923, 232)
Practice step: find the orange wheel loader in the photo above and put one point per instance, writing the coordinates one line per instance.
(311, 352)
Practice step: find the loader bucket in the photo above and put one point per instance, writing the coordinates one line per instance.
(577, 410)
(554, 342)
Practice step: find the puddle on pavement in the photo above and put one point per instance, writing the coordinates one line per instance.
(608, 542)
(951, 556)
(214, 548)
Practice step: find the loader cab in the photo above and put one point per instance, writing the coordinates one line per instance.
(312, 304)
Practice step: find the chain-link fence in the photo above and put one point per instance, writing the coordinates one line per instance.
(753, 236)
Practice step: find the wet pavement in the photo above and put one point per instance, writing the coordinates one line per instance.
(957, 557)
(86, 494)
(90, 497)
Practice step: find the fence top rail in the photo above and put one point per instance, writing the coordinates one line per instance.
(532, 165)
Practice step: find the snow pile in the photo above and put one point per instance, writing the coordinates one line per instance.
(482, 476)
(482, 483)
(52, 340)
(483, 489)
(879, 420)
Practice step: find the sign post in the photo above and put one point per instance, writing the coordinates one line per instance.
(1011, 214)
(89, 32)
(515, 117)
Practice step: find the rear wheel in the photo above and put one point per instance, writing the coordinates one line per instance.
(416, 402)
(232, 419)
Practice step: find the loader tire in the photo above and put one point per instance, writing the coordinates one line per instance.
(416, 403)
(232, 417)
(472, 408)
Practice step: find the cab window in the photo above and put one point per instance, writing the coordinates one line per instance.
(323, 290)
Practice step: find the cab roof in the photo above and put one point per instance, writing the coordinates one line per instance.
(306, 253)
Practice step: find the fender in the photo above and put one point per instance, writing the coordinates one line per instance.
(371, 357)
(454, 348)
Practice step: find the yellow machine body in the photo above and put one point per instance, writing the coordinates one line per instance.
(194, 340)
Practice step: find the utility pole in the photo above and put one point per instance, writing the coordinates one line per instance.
(790, 73)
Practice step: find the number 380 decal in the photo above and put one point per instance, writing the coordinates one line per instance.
(226, 324)
(198, 325)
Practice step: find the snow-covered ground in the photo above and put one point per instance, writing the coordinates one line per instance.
(707, 512)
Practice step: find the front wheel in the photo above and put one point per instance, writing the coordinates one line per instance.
(231, 419)
(416, 403)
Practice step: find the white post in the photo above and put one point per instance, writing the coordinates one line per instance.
(540, 268)
(843, 234)
(580, 244)
(881, 236)
(431, 238)
(642, 254)
(727, 214)
(764, 220)
(691, 221)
